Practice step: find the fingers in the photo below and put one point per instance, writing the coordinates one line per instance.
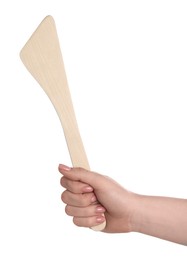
(86, 216)
(89, 222)
(90, 211)
(82, 175)
(83, 209)
(79, 199)
(81, 202)
(75, 186)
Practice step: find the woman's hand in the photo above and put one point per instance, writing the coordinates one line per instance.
(88, 195)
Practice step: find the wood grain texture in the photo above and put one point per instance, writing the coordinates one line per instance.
(42, 57)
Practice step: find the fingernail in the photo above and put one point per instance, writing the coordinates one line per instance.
(63, 167)
(100, 219)
(93, 199)
(87, 189)
(100, 209)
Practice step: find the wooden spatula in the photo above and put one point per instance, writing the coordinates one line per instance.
(43, 59)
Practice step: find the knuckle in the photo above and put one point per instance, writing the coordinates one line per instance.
(67, 210)
(63, 196)
(77, 222)
(79, 168)
(73, 186)
(83, 222)
(90, 222)
(69, 185)
(62, 181)
(65, 182)
(79, 171)
(85, 199)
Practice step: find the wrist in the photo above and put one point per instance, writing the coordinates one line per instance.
(136, 215)
(132, 214)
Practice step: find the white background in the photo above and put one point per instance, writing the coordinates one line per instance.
(126, 63)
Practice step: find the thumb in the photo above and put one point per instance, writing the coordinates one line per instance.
(80, 174)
